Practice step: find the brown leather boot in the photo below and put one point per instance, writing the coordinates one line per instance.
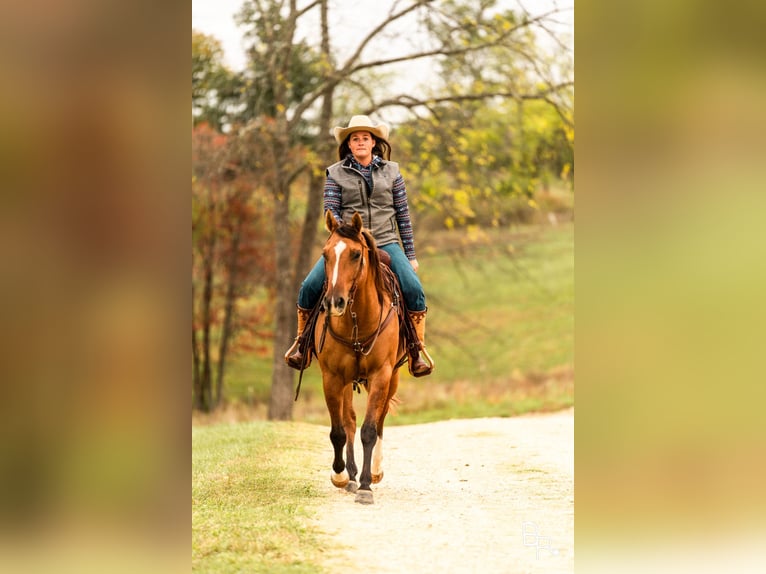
(293, 356)
(418, 366)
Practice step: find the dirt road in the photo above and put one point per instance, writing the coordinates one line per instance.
(482, 495)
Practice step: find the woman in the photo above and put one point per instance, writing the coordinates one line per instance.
(364, 180)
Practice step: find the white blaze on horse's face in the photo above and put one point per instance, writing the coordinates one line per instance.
(336, 302)
(340, 247)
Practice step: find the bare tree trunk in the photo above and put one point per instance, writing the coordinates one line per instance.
(282, 379)
(196, 375)
(314, 206)
(229, 309)
(208, 261)
(207, 296)
(281, 401)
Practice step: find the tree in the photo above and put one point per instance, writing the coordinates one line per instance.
(291, 100)
(468, 167)
(227, 263)
(215, 88)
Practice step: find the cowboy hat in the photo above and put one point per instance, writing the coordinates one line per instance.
(361, 124)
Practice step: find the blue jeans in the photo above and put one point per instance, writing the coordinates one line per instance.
(412, 290)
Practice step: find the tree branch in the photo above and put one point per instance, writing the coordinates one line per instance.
(296, 172)
(410, 102)
(302, 11)
(453, 52)
(347, 69)
(336, 76)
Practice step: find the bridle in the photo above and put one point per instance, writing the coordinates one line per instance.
(362, 346)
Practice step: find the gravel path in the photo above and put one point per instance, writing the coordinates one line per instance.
(489, 495)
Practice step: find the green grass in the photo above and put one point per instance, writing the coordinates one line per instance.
(250, 498)
(502, 308)
(500, 328)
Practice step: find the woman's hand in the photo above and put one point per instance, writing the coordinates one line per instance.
(415, 264)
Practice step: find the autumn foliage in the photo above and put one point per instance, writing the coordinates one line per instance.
(231, 258)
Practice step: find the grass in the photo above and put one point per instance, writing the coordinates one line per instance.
(500, 328)
(250, 499)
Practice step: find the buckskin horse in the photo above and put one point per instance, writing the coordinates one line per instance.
(364, 349)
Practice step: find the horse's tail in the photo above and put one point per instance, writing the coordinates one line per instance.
(393, 403)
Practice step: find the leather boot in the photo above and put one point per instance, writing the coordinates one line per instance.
(293, 356)
(418, 366)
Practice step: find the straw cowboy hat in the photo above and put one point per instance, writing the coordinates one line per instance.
(361, 124)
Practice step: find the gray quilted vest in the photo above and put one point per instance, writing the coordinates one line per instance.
(376, 205)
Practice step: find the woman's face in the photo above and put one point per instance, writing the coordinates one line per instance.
(361, 144)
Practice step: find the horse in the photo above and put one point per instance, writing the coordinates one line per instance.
(359, 311)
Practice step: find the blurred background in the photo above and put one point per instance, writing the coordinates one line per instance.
(669, 430)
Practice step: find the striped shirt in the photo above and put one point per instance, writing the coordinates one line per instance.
(332, 201)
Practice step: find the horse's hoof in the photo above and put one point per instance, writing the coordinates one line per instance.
(364, 497)
(339, 480)
(352, 486)
(376, 478)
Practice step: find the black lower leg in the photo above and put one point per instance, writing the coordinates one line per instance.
(350, 461)
(338, 439)
(369, 436)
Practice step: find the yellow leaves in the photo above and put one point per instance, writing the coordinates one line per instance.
(449, 222)
(569, 133)
(462, 198)
(503, 22)
(476, 234)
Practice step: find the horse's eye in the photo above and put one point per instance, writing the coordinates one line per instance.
(355, 255)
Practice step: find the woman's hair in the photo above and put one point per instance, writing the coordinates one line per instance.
(381, 148)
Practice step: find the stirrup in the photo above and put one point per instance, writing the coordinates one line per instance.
(290, 358)
(428, 361)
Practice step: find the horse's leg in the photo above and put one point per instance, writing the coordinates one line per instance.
(349, 425)
(333, 394)
(377, 402)
(377, 452)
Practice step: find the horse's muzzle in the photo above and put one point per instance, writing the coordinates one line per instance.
(336, 305)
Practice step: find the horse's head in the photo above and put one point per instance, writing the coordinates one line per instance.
(347, 257)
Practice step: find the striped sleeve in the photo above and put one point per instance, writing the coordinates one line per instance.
(332, 197)
(403, 220)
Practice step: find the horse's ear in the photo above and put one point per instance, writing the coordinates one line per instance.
(329, 221)
(356, 222)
